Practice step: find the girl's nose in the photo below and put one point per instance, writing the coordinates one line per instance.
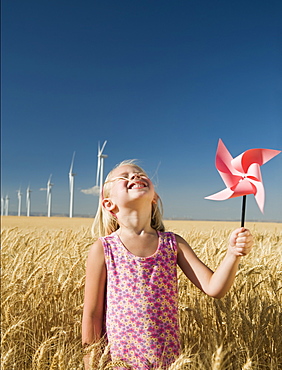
(135, 175)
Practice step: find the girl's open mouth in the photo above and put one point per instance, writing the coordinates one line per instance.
(137, 185)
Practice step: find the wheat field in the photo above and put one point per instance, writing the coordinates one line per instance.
(43, 270)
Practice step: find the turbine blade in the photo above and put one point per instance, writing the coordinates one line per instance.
(71, 167)
(103, 147)
(99, 149)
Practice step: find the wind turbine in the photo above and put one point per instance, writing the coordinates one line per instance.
(49, 196)
(20, 202)
(28, 191)
(71, 183)
(7, 205)
(2, 206)
(100, 165)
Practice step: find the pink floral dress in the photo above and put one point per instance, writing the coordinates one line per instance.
(141, 304)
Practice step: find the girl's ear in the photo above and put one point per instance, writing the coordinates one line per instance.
(108, 204)
(155, 199)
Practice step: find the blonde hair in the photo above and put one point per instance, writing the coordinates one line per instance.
(106, 222)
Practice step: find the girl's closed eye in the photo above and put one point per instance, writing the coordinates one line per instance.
(143, 175)
(118, 178)
(126, 177)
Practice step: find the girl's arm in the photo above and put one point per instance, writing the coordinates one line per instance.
(215, 284)
(93, 311)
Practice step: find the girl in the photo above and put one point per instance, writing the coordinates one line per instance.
(131, 274)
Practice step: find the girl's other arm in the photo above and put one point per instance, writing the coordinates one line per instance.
(93, 311)
(215, 284)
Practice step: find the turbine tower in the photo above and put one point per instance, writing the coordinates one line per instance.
(71, 183)
(28, 191)
(20, 202)
(7, 205)
(2, 206)
(49, 196)
(100, 166)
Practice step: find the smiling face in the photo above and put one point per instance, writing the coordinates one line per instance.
(126, 184)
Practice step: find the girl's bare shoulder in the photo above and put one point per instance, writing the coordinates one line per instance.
(181, 242)
(96, 251)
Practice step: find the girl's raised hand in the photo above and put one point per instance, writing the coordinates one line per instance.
(241, 242)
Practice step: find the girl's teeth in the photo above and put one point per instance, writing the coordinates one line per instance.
(136, 186)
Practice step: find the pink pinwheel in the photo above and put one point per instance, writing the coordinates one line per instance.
(242, 175)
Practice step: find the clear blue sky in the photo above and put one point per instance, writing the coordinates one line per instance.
(162, 81)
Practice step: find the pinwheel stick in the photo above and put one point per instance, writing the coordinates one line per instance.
(243, 210)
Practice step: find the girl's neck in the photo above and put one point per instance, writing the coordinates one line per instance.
(134, 222)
